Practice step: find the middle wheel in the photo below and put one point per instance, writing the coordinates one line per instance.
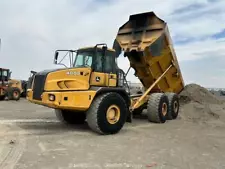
(157, 108)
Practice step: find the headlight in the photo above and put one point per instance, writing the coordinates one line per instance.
(51, 97)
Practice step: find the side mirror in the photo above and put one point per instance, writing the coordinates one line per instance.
(56, 57)
(33, 72)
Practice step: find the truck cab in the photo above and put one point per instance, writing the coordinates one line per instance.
(91, 69)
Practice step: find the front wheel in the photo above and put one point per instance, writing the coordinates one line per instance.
(14, 93)
(107, 114)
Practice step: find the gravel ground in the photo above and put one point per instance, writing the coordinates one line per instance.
(31, 137)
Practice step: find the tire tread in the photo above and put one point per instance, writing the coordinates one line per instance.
(92, 113)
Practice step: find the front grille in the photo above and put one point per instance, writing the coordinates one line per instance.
(38, 88)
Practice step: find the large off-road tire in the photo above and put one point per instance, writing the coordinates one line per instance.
(14, 93)
(157, 108)
(107, 114)
(2, 97)
(174, 106)
(70, 117)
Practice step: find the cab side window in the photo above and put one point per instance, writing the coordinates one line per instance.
(98, 65)
(109, 62)
(5, 73)
(105, 63)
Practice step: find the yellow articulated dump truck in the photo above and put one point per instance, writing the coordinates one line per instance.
(94, 88)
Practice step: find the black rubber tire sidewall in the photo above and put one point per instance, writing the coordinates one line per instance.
(171, 113)
(154, 108)
(11, 91)
(163, 99)
(104, 125)
(2, 97)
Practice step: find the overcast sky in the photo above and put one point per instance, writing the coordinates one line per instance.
(32, 30)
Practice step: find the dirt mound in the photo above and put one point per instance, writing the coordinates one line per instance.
(197, 93)
(201, 113)
(200, 106)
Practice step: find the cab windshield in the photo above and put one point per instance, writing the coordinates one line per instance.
(4, 73)
(83, 59)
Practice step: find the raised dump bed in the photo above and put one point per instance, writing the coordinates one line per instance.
(146, 41)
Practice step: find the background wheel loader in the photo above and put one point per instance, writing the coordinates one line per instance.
(11, 89)
(95, 89)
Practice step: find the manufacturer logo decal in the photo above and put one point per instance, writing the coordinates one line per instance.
(73, 73)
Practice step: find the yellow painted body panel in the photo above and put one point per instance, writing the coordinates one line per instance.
(76, 100)
(68, 79)
(105, 79)
(146, 39)
(73, 85)
(16, 83)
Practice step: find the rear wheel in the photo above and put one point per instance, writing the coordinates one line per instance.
(70, 117)
(107, 113)
(174, 105)
(157, 108)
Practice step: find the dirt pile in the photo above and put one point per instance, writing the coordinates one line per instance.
(199, 94)
(201, 106)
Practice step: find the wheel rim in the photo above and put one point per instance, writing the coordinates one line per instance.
(175, 107)
(164, 109)
(113, 114)
(15, 94)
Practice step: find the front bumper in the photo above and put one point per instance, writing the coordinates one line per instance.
(70, 100)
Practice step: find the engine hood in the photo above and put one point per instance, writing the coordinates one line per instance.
(66, 79)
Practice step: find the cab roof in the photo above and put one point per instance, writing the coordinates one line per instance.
(92, 47)
(3, 68)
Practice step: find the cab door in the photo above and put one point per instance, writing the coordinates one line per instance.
(110, 69)
(104, 73)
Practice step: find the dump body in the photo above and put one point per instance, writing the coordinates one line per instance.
(146, 41)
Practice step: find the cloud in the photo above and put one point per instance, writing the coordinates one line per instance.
(32, 30)
(205, 71)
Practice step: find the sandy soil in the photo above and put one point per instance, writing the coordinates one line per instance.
(31, 137)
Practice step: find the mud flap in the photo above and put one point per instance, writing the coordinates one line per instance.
(129, 117)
